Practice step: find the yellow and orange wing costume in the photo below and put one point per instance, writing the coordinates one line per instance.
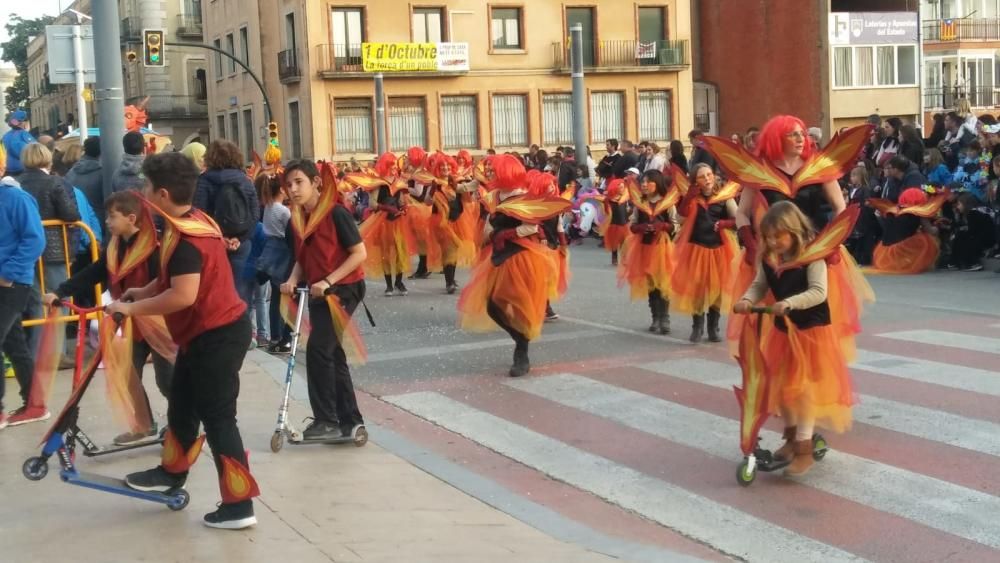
(637, 201)
(925, 210)
(672, 199)
(833, 161)
(752, 397)
(256, 167)
(727, 192)
(746, 168)
(827, 241)
(681, 181)
(532, 209)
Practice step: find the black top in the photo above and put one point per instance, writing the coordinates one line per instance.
(619, 213)
(501, 222)
(97, 272)
(551, 229)
(347, 229)
(703, 233)
(185, 260)
(384, 197)
(642, 218)
(627, 160)
(809, 199)
(897, 228)
(793, 282)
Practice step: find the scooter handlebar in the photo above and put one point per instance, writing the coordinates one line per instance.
(761, 310)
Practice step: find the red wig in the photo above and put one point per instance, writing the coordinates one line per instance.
(541, 184)
(438, 161)
(416, 156)
(508, 173)
(911, 197)
(385, 166)
(615, 188)
(464, 158)
(770, 142)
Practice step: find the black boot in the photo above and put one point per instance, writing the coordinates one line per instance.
(400, 286)
(713, 325)
(449, 279)
(664, 324)
(521, 364)
(388, 286)
(614, 257)
(697, 327)
(654, 311)
(421, 272)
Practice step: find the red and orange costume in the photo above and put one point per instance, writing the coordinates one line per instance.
(614, 228)
(451, 224)
(908, 245)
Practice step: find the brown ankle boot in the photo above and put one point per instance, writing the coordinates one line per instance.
(787, 450)
(803, 459)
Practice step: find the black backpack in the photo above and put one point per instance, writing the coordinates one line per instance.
(232, 211)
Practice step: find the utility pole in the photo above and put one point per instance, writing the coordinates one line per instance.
(380, 141)
(109, 96)
(579, 94)
(81, 103)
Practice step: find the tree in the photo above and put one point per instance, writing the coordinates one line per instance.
(15, 51)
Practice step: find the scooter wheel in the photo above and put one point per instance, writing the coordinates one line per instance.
(179, 501)
(35, 468)
(820, 447)
(360, 436)
(745, 475)
(277, 441)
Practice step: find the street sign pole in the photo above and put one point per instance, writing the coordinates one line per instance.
(380, 143)
(579, 94)
(81, 104)
(109, 97)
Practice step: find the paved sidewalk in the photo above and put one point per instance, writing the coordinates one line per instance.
(318, 503)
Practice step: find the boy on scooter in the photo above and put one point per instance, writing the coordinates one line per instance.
(329, 257)
(196, 294)
(130, 260)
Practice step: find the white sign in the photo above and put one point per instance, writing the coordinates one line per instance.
(453, 56)
(59, 51)
(873, 28)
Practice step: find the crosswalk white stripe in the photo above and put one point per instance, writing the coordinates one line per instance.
(930, 424)
(721, 526)
(926, 371)
(945, 338)
(935, 503)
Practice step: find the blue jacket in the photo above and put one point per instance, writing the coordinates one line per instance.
(14, 142)
(211, 180)
(22, 239)
(88, 216)
(258, 238)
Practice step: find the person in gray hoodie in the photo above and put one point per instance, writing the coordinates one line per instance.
(86, 175)
(129, 173)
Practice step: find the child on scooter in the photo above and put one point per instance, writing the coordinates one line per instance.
(329, 257)
(196, 294)
(129, 261)
(811, 384)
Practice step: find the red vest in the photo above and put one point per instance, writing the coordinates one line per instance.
(217, 303)
(319, 252)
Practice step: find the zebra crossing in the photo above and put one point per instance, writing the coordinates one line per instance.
(915, 479)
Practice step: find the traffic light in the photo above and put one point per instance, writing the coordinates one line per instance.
(130, 56)
(152, 47)
(272, 132)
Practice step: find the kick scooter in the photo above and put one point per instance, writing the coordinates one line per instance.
(60, 440)
(284, 429)
(753, 409)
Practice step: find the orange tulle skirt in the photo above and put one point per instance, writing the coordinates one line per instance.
(451, 242)
(646, 267)
(562, 259)
(809, 376)
(912, 255)
(614, 236)
(388, 243)
(520, 287)
(701, 276)
(419, 224)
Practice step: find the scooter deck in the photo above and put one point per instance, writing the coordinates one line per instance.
(341, 440)
(118, 487)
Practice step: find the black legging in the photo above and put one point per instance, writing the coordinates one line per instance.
(498, 316)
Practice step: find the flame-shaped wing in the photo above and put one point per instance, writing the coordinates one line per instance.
(121, 382)
(479, 172)
(135, 255)
(752, 397)
(347, 332)
(567, 194)
(727, 192)
(533, 209)
(637, 201)
(425, 177)
(256, 167)
(488, 200)
(327, 200)
(680, 177)
(883, 206)
(745, 168)
(832, 162)
(288, 307)
(673, 198)
(828, 240)
(926, 210)
(366, 180)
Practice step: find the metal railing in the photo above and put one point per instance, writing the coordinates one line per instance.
(626, 53)
(965, 29)
(189, 25)
(946, 98)
(177, 106)
(338, 58)
(288, 64)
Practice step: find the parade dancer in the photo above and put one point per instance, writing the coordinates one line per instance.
(515, 274)
(196, 294)
(544, 185)
(420, 210)
(909, 242)
(648, 256)
(705, 249)
(451, 227)
(804, 356)
(614, 228)
(329, 258)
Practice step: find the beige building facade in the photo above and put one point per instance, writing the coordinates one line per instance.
(516, 91)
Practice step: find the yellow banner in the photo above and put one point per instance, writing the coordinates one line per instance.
(399, 57)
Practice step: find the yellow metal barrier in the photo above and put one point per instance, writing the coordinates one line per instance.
(95, 252)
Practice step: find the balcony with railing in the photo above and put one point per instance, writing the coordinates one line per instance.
(189, 25)
(339, 58)
(175, 107)
(965, 29)
(288, 66)
(625, 54)
(946, 98)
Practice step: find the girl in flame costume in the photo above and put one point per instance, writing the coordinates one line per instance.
(806, 380)
(909, 242)
(544, 185)
(196, 294)
(389, 232)
(451, 226)
(614, 228)
(648, 256)
(515, 274)
(787, 166)
(419, 210)
(706, 248)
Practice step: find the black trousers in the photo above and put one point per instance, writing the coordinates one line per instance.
(205, 387)
(162, 368)
(498, 316)
(13, 302)
(331, 390)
